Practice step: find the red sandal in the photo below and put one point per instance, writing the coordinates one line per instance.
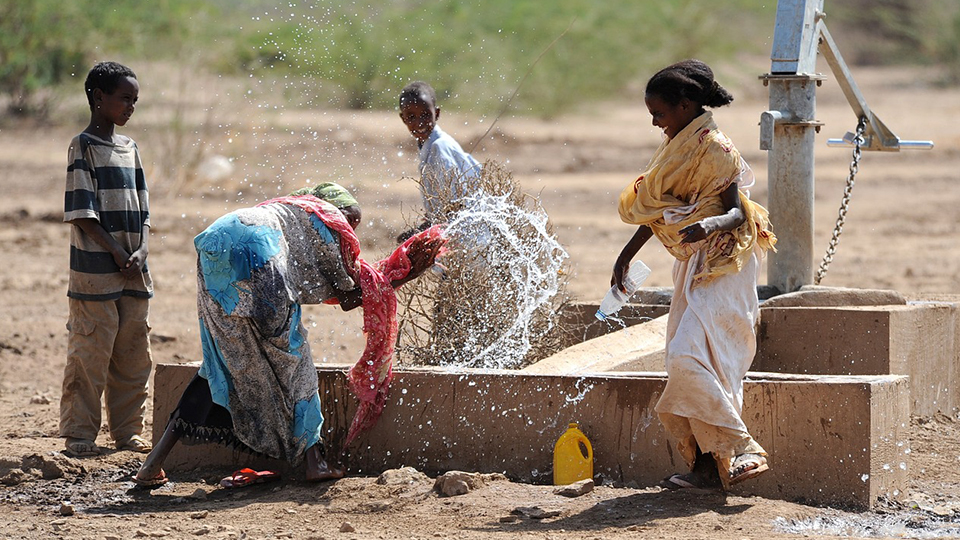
(247, 476)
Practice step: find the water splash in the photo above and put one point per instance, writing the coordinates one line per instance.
(494, 300)
(901, 525)
(520, 242)
(581, 392)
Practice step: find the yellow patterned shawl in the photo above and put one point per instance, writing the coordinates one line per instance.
(682, 185)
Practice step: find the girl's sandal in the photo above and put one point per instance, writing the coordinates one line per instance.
(747, 466)
(691, 481)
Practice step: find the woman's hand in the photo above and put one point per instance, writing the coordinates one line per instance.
(405, 235)
(732, 217)
(423, 254)
(619, 270)
(698, 231)
(640, 237)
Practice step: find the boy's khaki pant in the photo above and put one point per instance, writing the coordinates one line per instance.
(108, 353)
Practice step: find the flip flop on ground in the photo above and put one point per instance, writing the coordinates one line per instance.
(688, 481)
(157, 481)
(246, 476)
(747, 466)
(81, 447)
(135, 443)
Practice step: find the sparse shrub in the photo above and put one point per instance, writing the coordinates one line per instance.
(39, 49)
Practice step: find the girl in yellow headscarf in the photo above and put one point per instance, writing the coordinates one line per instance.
(693, 196)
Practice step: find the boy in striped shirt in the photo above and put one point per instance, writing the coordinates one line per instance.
(110, 286)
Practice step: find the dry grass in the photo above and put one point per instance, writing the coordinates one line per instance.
(497, 302)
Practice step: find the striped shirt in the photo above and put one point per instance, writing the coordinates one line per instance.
(105, 182)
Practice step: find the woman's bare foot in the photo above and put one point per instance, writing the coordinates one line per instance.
(151, 468)
(318, 469)
(323, 472)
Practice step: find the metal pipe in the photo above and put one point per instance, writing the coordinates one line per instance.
(790, 163)
(903, 145)
(787, 131)
(790, 171)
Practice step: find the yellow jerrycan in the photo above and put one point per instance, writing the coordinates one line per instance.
(572, 457)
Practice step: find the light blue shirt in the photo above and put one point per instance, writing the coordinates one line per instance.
(445, 168)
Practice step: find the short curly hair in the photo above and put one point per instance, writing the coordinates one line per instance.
(105, 76)
(418, 91)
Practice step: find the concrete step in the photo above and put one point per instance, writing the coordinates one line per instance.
(832, 439)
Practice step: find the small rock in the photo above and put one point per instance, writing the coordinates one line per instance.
(14, 477)
(200, 514)
(58, 466)
(141, 533)
(509, 519)
(290, 511)
(535, 512)
(576, 489)
(453, 483)
(941, 511)
(39, 400)
(454, 486)
(201, 531)
(405, 475)
(199, 493)
(347, 527)
(59, 522)
(66, 509)
(111, 537)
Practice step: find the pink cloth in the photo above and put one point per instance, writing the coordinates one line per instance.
(370, 377)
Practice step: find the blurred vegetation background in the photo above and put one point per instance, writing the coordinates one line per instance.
(359, 54)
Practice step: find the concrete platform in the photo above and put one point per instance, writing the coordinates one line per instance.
(638, 347)
(580, 315)
(918, 339)
(832, 439)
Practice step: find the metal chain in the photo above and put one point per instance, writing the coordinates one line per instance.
(844, 202)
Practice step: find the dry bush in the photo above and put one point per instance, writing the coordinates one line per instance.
(497, 301)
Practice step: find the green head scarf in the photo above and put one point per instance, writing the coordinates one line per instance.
(331, 192)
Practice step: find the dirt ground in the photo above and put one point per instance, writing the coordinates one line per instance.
(902, 233)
